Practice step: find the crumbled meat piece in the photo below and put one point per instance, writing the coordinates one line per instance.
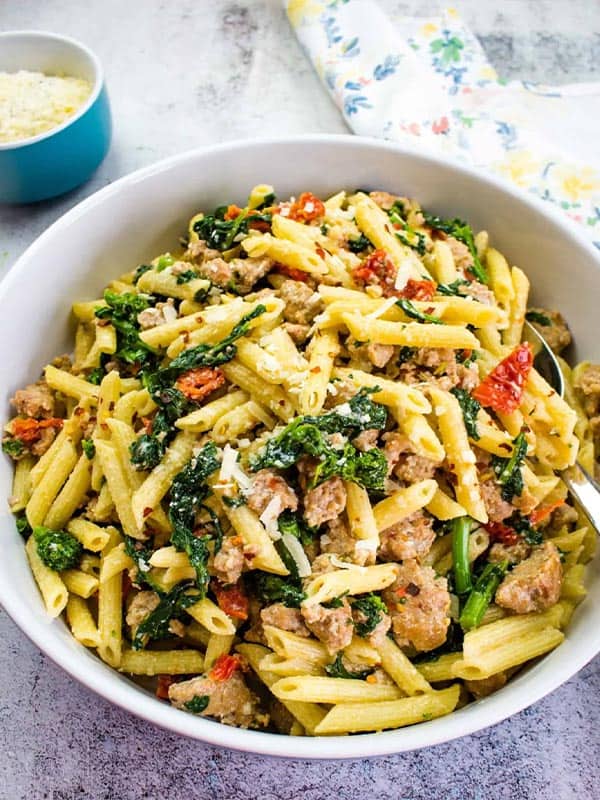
(379, 632)
(266, 485)
(525, 502)
(301, 304)
(179, 267)
(151, 317)
(228, 563)
(513, 553)
(339, 391)
(325, 502)
(410, 538)
(245, 272)
(299, 333)
(563, 515)
(557, 335)
(396, 444)
(322, 564)
(200, 251)
(218, 271)
(419, 603)
(63, 362)
(497, 508)
(534, 584)
(338, 539)
(366, 440)
(47, 436)
(439, 364)
(486, 686)
(402, 460)
(462, 255)
(231, 701)
(478, 291)
(177, 628)
(377, 354)
(35, 400)
(384, 200)
(332, 626)
(588, 383)
(142, 604)
(288, 619)
(280, 718)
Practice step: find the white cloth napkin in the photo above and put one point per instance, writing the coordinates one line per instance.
(428, 82)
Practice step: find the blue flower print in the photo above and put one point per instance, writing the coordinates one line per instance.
(388, 67)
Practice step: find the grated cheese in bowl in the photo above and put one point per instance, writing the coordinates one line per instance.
(32, 103)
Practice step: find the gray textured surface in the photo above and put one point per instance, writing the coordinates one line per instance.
(183, 74)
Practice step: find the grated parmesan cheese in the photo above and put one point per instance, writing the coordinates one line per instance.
(403, 274)
(345, 564)
(269, 517)
(32, 103)
(366, 546)
(383, 308)
(296, 551)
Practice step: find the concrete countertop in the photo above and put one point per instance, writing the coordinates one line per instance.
(182, 74)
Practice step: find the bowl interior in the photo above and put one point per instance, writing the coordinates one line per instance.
(48, 53)
(144, 214)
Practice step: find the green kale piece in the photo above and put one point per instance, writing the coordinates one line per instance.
(337, 670)
(508, 470)
(522, 525)
(539, 318)
(95, 376)
(187, 276)
(146, 452)
(58, 549)
(220, 233)
(156, 624)
(359, 244)
(463, 232)
(13, 447)
(23, 526)
(452, 289)
(470, 408)
(274, 589)
(368, 469)
(453, 644)
(412, 311)
(406, 354)
(122, 310)
(140, 271)
(141, 555)
(88, 447)
(288, 522)
(373, 608)
(197, 704)
(407, 235)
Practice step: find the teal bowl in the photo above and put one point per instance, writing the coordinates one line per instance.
(62, 158)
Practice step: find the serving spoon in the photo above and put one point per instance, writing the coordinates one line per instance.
(577, 479)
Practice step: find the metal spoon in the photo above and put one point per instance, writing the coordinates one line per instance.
(577, 480)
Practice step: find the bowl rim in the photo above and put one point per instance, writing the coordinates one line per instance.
(96, 88)
(468, 720)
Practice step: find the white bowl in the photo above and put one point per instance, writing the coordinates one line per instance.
(143, 214)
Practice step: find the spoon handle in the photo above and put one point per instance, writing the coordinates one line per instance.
(586, 493)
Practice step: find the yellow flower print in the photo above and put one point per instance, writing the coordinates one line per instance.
(578, 183)
(488, 73)
(298, 10)
(429, 29)
(519, 166)
(451, 12)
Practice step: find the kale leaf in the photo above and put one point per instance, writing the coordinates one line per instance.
(141, 556)
(368, 469)
(13, 447)
(88, 447)
(288, 522)
(122, 310)
(58, 549)
(197, 704)
(187, 276)
(522, 525)
(539, 318)
(140, 271)
(409, 237)
(337, 670)
(156, 624)
(23, 526)
(452, 289)
(220, 233)
(359, 244)
(463, 232)
(373, 608)
(470, 408)
(274, 589)
(412, 311)
(95, 376)
(508, 470)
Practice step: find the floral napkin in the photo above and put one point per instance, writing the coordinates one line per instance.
(428, 82)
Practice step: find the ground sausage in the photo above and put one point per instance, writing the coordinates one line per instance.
(534, 584)
(288, 619)
(557, 335)
(513, 553)
(478, 291)
(228, 563)
(266, 485)
(325, 502)
(438, 364)
(588, 383)
(199, 252)
(418, 602)
(218, 271)
(163, 312)
(332, 626)
(231, 701)
(366, 440)
(299, 333)
(563, 515)
(245, 272)
(461, 253)
(379, 632)
(486, 686)
(384, 200)
(410, 538)
(301, 304)
(35, 400)
(497, 508)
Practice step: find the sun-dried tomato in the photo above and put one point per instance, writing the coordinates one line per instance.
(499, 532)
(162, 688)
(291, 272)
(540, 514)
(418, 290)
(232, 212)
(30, 430)
(305, 209)
(224, 667)
(377, 268)
(502, 390)
(196, 384)
(231, 599)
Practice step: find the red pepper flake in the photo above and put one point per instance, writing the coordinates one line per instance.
(418, 290)
(196, 384)
(499, 532)
(232, 599)
(291, 272)
(305, 209)
(224, 667)
(30, 430)
(378, 269)
(147, 512)
(502, 390)
(540, 514)
(162, 688)
(320, 252)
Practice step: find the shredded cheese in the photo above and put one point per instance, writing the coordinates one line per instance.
(296, 551)
(269, 517)
(337, 562)
(383, 308)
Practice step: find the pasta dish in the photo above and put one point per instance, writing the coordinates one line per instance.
(300, 474)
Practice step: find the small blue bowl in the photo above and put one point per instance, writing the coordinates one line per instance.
(64, 157)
